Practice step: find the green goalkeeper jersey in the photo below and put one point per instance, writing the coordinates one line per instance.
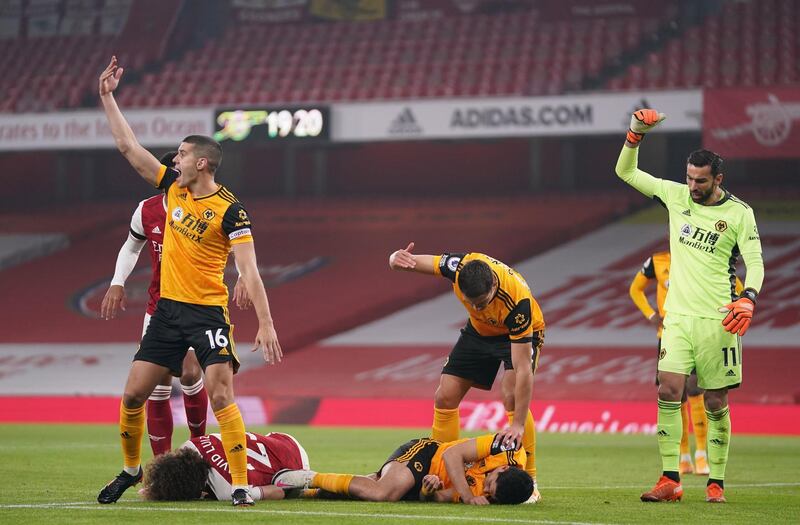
(704, 241)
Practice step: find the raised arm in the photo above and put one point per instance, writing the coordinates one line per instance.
(142, 160)
(406, 261)
(627, 169)
(267, 337)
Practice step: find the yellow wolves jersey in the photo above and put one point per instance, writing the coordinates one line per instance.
(512, 311)
(491, 458)
(657, 267)
(198, 238)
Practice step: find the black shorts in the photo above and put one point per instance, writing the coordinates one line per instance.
(176, 326)
(419, 454)
(477, 358)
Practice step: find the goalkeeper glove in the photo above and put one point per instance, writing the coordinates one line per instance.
(643, 121)
(740, 312)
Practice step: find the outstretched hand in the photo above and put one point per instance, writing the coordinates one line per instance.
(109, 79)
(403, 259)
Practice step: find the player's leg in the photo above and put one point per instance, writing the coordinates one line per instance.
(195, 397)
(470, 364)
(219, 382)
(159, 416)
(160, 351)
(158, 410)
(719, 439)
(719, 368)
(449, 393)
(686, 466)
(207, 329)
(142, 379)
(699, 424)
(675, 363)
(393, 483)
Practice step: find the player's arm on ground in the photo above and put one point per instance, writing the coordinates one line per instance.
(638, 286)
(404, 260)
(142, 160)
(126, 261)
(433, 490)
(267, 337)
(456, 457)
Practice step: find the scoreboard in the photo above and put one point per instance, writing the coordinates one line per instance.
(273, 124)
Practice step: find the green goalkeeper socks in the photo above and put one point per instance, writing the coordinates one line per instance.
(719, 439)
(669, 430)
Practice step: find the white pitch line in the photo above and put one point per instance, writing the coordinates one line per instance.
(483, 519)
(623, 487)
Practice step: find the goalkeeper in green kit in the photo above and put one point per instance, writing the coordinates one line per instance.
(708, 229)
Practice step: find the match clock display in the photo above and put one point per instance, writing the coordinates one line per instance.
(272, 124)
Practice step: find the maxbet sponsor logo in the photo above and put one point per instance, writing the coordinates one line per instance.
(698, 238)
(188, 225)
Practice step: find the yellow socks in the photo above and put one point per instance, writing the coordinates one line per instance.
(719, 439)
(336, 483)
(669, 434)
(446, 425)
(699, 421)
(231, 428)
(528, 442)
(131, 430)
(685, 434)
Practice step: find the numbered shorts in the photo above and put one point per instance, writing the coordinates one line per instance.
(176, 326)
(419, 455)
(702, 344)
(477, 358)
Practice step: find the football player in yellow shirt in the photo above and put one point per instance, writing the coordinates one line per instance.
(205, 222)
(505, 326)
(475, 471)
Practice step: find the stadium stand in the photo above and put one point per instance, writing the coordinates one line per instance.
(502, 54)
(325, 283)
(745, 44)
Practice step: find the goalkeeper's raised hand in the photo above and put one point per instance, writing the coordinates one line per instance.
(643, 121)
(740, 312)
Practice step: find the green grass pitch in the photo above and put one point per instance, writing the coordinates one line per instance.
(52, 473)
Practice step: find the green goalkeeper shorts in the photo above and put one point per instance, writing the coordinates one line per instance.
(702, 344)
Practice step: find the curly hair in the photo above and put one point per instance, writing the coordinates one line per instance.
(176, 476)
(514, 486)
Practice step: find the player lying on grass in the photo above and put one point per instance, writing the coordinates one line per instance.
(475, 471)
(198, 469)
